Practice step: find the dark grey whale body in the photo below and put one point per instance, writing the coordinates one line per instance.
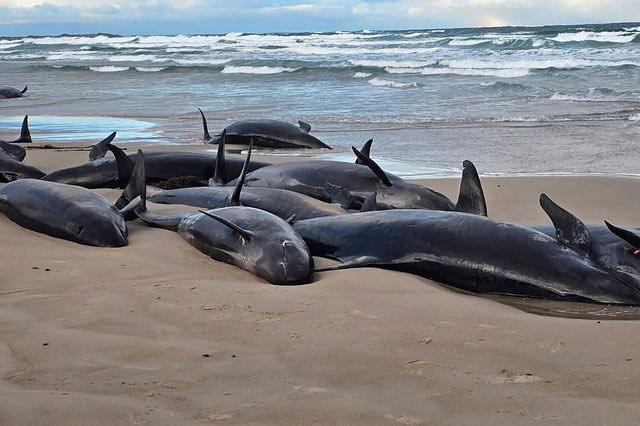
(252, 239)
(64, 211)
(393, 192)
(469, 252)
(7, 92)
(266, 133)
(279, 202)
(103, 172)
(12, 169)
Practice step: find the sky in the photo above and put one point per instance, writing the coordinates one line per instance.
(21, 17)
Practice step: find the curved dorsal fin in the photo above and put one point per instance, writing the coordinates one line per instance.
(305, 127)
(100, 149)
(235, 198)
(373, 166)
(219, 174)
(206, 137)
(370, 203)
(569, 229)
(23, 91)
(471, 197)
(25, 134)
(628, 236)
(243, 232)
(124, 163)
(365, 150)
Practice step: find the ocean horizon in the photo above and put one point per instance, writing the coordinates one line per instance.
(545, 99)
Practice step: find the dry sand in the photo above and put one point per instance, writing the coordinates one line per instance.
(158, 333)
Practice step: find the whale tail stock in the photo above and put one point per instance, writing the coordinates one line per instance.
(23, 91)
(471, 197)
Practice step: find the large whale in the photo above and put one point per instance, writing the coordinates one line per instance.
(311, 178)
(266, 133)
(252, 239)
(11, 92)
(16, 151)
(65, 211)
(102, 171)
(475, 253)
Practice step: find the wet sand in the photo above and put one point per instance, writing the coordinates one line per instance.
(158, 333)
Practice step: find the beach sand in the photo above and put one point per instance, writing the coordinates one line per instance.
(158, 333)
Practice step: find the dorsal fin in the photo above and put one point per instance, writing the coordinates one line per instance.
(471, 197)
(365, 150)
(243, 232)
(206, 137)
(373, 166)
(235, 197)
(99, 150)
(569, 229)
(23, 91)
(25, 134)
(628, 236)
(124, 163)
(370, 203)
(219, 174)
(339, 195)
(305, 127)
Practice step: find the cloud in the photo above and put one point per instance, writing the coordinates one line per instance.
(310, 15)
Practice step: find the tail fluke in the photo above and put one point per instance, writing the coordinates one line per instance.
(23, 91)
(471, 198)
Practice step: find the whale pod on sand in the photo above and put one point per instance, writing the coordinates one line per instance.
(360, 180)
(252, 239)
(474, 253)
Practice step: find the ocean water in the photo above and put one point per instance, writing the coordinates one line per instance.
(561, 99)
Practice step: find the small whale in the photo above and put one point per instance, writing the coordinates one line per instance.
(7, 92)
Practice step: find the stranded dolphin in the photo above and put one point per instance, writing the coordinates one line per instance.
(65, 211)
(311, 178)
(16, 151)
(266, 133)
(251, 239)
(102, 172)
(281, 202)
(11, 92)
(472, 253)
(12, 169)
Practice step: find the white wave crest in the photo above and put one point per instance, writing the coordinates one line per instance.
(108, 68)
(384, 63)
(388, 83)
(635, 117)
(201, 61)
(361, 75)
(608, 37)
(132, 58)
(485, 72)
(256, 70)
(467, 42)
(74, 56)
(150, 69)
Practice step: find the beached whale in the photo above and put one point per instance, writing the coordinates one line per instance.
(11, 92)
(102, 172)
(474, 253)
(12, 169)
(65, 211)
(252, 239)
(266, 133)
(393, 192)
(16, 151)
